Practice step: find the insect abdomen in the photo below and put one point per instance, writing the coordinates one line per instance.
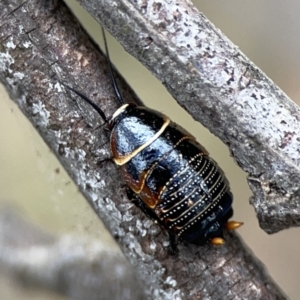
(195, 200)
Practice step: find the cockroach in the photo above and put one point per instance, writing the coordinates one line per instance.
(168, 174)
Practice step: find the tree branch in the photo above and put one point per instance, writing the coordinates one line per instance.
(79, 268)
(221, 88)
(41, 43)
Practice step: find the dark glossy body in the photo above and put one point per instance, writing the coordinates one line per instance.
(177, 183)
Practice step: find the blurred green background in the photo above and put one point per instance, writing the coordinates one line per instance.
(32, 180)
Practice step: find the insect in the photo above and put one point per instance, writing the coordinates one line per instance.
(169, 175)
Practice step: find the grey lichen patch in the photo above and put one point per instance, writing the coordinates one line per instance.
(40, 110)
(6, 61)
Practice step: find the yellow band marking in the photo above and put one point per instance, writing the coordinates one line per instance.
(119, 110)
(123, 160)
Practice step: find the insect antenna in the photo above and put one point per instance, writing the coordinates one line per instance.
(113, 79)
(96, 107)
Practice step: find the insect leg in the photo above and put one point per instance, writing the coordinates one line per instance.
(136, 200)
(173, 243)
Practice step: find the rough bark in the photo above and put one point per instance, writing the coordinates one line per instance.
(40, 43)
(218, 85)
